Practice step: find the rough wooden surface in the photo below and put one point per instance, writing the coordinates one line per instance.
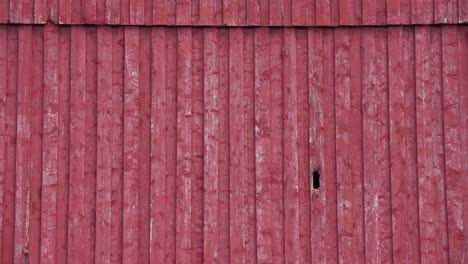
(235, 12)
(157, 145)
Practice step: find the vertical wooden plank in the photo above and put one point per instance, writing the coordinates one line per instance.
(53, 10)
(77, 145)
(4, 11)
(50, 146)
(299, 13)
(145, 149)
(398, 12)
(159, 12)
(144, 146)
(137, 12)
(159, 146)
(249, 92)
(184, 12)
(236, 142)
(211, 12)
(184, 146)
(211, 153)
(195, 13)
(8, 246)
(462, 11)
(322, 145)
(89, 218)
(402, 118)
(241, 86)
(263, 145)
(171, 110)
(276, 12)
(36, 144)
(231, 12)
(27, 12)
(346, 16)
(311, 13)
(429, 122)
(453, 142)
(164, 147)
(351, 12)
(40, 11)
(327, 13)
(171, 13)
(88, 9)
(76, 13)
(276, 149)
(224, 190)
(148, 9)
(422, 11)
(291, 158)
(253, 12)
(445, 11)
(350, 212)
(100, 12)
(131, 146)
(463, 82)
(16, 11)
(197, 136)
(118, 40)
(23, 145)
(104, 146)
(3, 127)
(124, 12)
(303, 143)
(374, 12)
(287, 12)
(377, 200)
(112, 12)
(321, 97)
(63, 144)
(65, 11)
(264, 6)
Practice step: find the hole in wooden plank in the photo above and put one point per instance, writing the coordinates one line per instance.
(316, 179)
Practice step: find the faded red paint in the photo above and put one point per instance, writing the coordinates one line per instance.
(155, 144)
(235, 12)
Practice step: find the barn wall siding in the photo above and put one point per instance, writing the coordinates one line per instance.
(235, 12)
(153, 145)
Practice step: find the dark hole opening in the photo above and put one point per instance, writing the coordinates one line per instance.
(316, 179)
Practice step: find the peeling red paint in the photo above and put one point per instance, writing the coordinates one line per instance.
(197, 144)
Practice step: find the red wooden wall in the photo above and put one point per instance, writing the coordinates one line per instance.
(159, 144)
(235, 12)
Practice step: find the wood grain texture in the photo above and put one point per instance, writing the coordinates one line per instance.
(50, 146)
(430, 146)
(131, 146)
(158, 144)
(23, 145)
(349, 163)
(37, 95)
(376, 160)
(184, 146)
(290, 149)
(77, 142)
(263, 146)
(211, 137)
(104, 147)
(235, 12)
(403, 156)
(322, 145)
(454, 79)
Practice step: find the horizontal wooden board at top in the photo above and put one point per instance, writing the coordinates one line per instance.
(234, 12)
